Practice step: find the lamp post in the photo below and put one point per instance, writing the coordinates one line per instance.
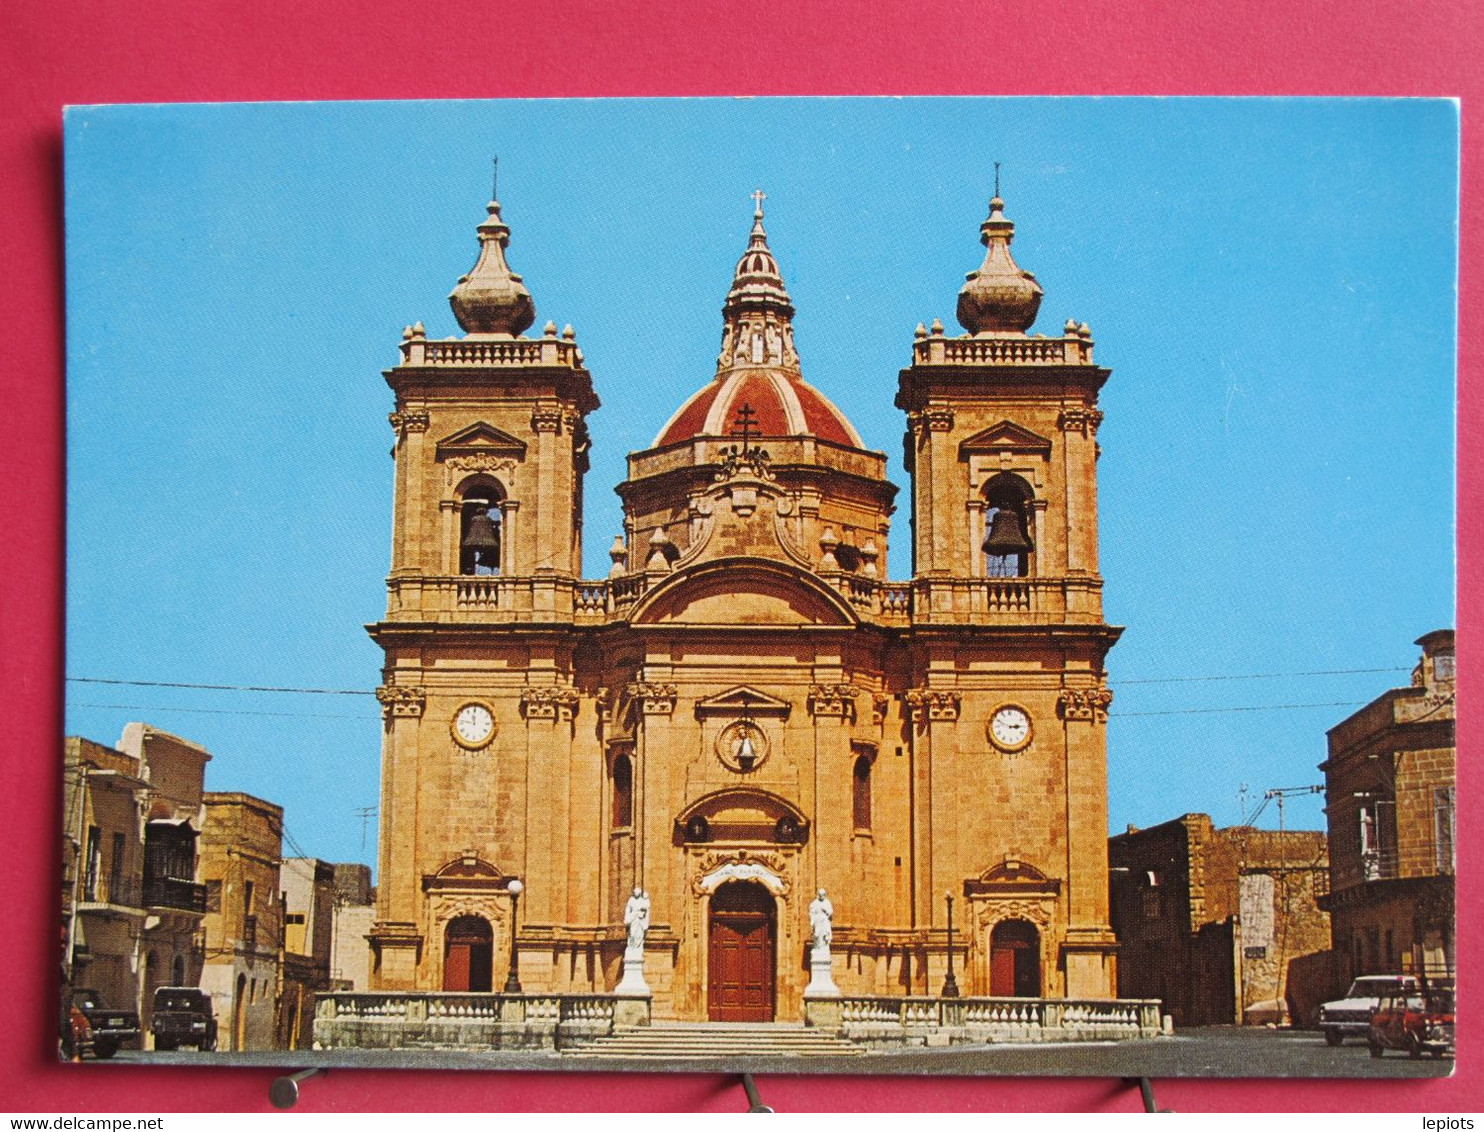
(950, 984)
(512, 980)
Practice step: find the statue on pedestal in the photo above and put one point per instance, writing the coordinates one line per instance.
(822, 932)
(636, 919)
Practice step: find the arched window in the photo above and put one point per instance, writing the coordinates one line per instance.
(861, 793)
(479, 529)
(623, 792)
(1007, 519)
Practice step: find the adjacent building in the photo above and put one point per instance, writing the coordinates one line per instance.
(355, 915)
(241, 847)
(747, 709)
(131, 904)
(1211, 920)
(309, 910)
(1392, 805)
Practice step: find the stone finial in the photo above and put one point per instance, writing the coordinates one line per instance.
(619, 551)
(549, 330)
(999, 297)
(937, 328)
(491, 299)
(1071, 328)
(568, 333)
(827, 544)
(869, 553)
(920, 332)
(418, 331)
(658, 543)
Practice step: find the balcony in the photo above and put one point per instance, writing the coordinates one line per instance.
(169, 892)
(117, 892)
(1006, 350)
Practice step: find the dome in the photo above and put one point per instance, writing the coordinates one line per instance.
(999, 297)
(758, 369)
(783, 405)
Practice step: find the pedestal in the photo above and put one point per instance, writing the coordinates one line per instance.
(633, 972)
(821, 975)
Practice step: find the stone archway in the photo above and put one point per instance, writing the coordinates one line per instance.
(742, 960)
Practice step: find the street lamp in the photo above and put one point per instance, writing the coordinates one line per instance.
(950, 984)
(512, 980)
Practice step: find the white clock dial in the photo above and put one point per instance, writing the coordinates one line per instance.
(1010, 728)
(473, 725)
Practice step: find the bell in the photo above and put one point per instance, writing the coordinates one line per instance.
(480, 537)
(1005, 536)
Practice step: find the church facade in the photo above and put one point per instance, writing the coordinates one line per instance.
(748, 709)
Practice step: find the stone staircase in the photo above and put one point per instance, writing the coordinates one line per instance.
(732, 1041)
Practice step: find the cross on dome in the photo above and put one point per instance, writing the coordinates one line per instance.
(758, 196)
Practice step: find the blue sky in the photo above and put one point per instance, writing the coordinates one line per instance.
(1271, 282)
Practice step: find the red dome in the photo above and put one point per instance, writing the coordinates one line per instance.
(784, 406)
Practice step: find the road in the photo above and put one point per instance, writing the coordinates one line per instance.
(1208, 1052)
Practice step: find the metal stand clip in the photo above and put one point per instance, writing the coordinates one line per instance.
(284, 1092)
(754, 1099)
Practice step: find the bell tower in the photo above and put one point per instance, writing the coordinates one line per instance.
(1008, 630)
(477, 693)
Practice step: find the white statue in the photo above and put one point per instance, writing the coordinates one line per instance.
(636, 918)
(822, 929)
(821, 921)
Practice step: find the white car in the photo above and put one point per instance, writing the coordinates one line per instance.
(1351, 1015)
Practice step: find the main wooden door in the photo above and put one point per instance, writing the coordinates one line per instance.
(467, 955)
(743, 954)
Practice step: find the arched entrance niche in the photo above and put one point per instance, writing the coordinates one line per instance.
(1015, 960)
(742, 957)
(468, 954)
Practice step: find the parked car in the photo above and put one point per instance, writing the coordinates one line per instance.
(183, 1017)
(107, 1028)
(1351, 1016)
(1418, 1022)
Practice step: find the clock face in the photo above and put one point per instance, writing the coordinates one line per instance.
(1010, 728)
(473, 726)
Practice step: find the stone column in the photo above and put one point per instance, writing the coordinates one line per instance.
(1090, 946)
(395, 934)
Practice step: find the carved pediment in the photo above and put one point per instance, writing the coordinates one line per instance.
(1007, 436)
(465, 872)
(743, 700)
(1011, 876)
(481, 439)
(731, 592)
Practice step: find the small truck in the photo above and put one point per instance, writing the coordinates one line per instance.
(108, 1029)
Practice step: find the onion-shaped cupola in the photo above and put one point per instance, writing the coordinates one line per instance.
(999, 298)
(758, 368)
(491, 299)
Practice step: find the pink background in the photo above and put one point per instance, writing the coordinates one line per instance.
(56, 53)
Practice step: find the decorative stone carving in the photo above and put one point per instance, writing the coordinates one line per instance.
(547, 419)
(879, 704)
(933, 705)
(1081, 420)
(409, 420)
(401, 701)
(718, 869)
(938, 420)
(1087, 704)
(460, 466)
(993, 911)
(836, 700)
(654, 699)
(548, 703)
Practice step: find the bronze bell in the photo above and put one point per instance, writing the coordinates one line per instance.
(480, 537)
(1005, 536)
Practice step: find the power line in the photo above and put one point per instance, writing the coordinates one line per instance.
(1218, 710)
(220, 687)
(1256, 676)
(217, 711)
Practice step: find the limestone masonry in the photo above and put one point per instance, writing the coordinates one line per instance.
(746, 710)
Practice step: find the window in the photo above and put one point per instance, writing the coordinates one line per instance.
(116, 870)
(623, 792)
(94, 863)
(293, 918)
(1007, 518)
(213, 896)
(861, 793)
(1445, 854)
(479, 531)
(247, 898)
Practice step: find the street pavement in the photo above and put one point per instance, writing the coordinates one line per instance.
(1218, 1051)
